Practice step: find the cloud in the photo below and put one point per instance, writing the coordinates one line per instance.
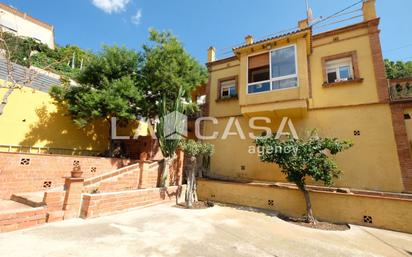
(110, 6)
(137, 17)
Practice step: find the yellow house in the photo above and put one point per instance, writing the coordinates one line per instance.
(333, 81)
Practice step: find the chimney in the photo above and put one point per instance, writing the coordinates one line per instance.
(303, 24)
(249, 40)
(211, 54)
(369, 10)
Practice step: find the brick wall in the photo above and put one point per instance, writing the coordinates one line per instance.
(95, 205)
(402, 143)
(26, 218)
(33, 172)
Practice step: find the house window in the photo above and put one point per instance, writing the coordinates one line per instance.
(278, 72)
(228, 89)
(339, 70)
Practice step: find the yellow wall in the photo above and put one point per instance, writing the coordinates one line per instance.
(371, 164)
(31, 119)
(337, 111)
(227, 107)
(347, 94)
(332, 207)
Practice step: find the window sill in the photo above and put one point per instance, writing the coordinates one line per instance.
(352, 81)
(227, 99)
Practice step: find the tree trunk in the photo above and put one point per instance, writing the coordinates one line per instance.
(309, 213)
(111, 143)
(165, 172)
(178, 193)
(5, 99)
(191, 180)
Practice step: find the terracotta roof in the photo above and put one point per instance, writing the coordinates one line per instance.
(227, 59)
(269, 39)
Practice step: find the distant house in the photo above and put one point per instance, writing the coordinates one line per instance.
(22, 24)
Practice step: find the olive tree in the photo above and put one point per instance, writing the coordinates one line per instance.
(300, 159)
(195, 151)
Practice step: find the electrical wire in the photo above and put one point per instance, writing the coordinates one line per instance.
(228, 50)
(339, 21)
(337, 13)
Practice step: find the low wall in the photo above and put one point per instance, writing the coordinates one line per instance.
(95, 205)
(10, 221)
(35, 172)
(369, 210)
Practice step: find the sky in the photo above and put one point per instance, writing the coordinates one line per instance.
(199, 24)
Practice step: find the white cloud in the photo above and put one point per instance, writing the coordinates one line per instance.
(110, 6)
(137, 17)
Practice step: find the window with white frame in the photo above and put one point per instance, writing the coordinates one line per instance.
(282, 71)
(339, 70)
(228, 89)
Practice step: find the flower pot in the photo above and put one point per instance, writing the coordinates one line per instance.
(76, 172)
(143, 156)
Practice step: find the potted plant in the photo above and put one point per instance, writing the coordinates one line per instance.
(143, 156)
(76, 172)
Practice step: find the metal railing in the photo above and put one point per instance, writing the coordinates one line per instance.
(47, 150)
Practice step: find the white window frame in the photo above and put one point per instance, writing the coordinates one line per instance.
(336, 65)
(270, 80)
(228, 86)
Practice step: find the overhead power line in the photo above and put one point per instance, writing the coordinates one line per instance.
(339, 21)
(337, 13)
(342, 12)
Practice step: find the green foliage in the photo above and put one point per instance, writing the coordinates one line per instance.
(301, 158)
(167, 67)
(26, 52)
(399, 69)
(169, 146)
(197, 148)
(108, 88)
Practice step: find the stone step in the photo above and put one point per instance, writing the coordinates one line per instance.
(34, 199)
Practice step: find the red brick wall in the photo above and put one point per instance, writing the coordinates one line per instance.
(26, 218)
(15, 177)
(95, 205)
(402, 143)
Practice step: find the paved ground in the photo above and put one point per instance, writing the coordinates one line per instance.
(220, 231)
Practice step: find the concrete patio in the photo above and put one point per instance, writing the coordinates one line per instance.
(163, 230)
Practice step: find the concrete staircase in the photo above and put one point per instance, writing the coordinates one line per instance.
(127, 178)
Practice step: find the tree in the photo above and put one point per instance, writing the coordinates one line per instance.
(166, 68)
(66, 61)
(195, 151)
(108, 88)
(397, 70)
(299, 159)
(18, 51)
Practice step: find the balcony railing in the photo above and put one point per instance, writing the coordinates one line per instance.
(400, 90)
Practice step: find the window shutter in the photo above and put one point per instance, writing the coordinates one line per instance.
(260, 60)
